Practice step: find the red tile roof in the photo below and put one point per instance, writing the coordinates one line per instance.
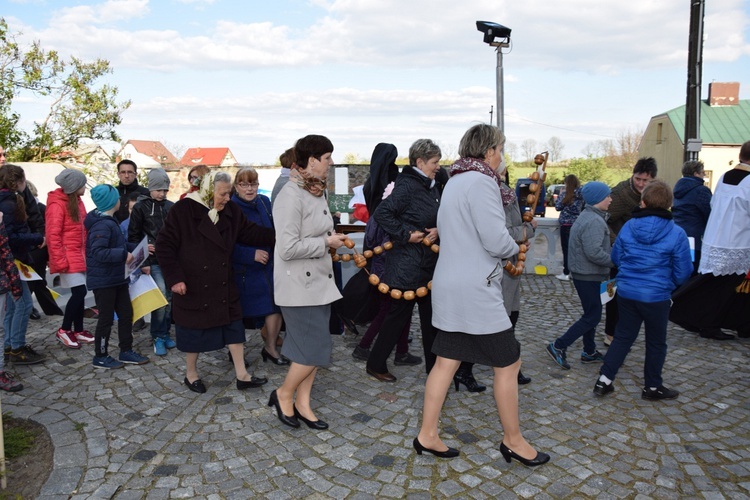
(155, 150)
(213, 157)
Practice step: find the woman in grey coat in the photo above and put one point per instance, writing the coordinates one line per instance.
(304, 286)
(521, 232)
(468, 309)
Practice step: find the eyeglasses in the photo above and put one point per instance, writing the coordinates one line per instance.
(193, 178)
(245, 185)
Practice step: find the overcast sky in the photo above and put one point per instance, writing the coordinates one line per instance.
(255, 75)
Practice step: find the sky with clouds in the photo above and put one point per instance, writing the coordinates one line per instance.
(255, 75)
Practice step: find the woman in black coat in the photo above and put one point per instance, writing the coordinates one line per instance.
(409, 215)
(195, 249)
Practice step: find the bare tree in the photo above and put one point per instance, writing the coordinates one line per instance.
(528, 147)
(627, 147)
(598, 149)
(555, 148)
(511, 151)
(177, 149)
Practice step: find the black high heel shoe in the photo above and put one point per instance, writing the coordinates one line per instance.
(449, 453)
(290, 421)
(469, 381)
(312, 424)
(523, 380)
(281, 360)
(508, 454)
(252, 383)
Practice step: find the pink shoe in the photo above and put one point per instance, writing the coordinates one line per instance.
(67, 338)
(84, 337)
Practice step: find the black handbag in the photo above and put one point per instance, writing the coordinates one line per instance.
(360, 301)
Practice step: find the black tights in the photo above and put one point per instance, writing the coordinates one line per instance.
(74, 309)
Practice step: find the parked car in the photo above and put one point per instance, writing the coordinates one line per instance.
(522, 191)
(552, 193)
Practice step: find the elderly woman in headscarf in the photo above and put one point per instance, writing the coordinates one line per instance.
(195, 252)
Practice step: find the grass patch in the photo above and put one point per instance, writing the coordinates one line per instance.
(18, 441)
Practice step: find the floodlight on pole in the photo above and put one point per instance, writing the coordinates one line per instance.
(497, 35)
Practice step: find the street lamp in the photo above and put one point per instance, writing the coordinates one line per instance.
(497, 35)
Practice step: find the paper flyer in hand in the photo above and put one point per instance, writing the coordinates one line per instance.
(26, 272)
(607, 290)
(140, 254)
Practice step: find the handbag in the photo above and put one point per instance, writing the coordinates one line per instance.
(360, 301)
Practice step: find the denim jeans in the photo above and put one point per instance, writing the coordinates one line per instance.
(161, 319)
(564, 239)
(17, 318)
(2, 318)
(588, 292)
(632, 315)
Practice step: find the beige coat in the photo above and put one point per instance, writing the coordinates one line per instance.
(303, 270)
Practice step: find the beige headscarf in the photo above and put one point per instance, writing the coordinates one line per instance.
(205, 195)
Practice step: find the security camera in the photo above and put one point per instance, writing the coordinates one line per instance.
(493, 30)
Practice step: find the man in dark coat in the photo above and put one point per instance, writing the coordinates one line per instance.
(127, 171)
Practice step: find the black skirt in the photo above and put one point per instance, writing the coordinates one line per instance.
(209, 339)
(496, 349)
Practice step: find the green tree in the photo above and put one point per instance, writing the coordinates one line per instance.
(81, 107)
(587, 169)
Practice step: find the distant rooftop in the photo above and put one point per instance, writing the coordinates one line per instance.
(719, 124)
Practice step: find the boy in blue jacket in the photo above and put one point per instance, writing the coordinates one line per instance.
(653, 257)
(107, 252)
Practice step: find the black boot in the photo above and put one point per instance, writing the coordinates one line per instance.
(467, 378)
(523, 380)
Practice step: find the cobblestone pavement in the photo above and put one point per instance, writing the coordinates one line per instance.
(139, 432)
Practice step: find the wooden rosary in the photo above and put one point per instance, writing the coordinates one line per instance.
(360, 260)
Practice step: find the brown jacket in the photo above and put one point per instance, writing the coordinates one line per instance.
(625, 199)
(191, 249)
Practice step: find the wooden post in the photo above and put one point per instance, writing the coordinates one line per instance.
(3, 479)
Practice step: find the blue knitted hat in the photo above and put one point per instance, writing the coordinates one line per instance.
(104, 197)
(594, 192)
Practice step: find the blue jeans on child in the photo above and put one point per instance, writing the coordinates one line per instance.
(161, 319)
(588, 292)
(632, 314)
(17, 318)
(564, 239)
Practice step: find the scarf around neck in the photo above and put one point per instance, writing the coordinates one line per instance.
(311, 184)
(477, 165)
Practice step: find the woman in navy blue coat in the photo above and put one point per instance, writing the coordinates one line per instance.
(253, 266)
(692, 204)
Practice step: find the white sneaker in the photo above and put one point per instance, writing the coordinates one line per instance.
(563, 277)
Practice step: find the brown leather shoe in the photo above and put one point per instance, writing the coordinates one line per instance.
(383, 377)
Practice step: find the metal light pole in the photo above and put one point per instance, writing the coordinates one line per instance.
(497, 35)
(693, 141)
